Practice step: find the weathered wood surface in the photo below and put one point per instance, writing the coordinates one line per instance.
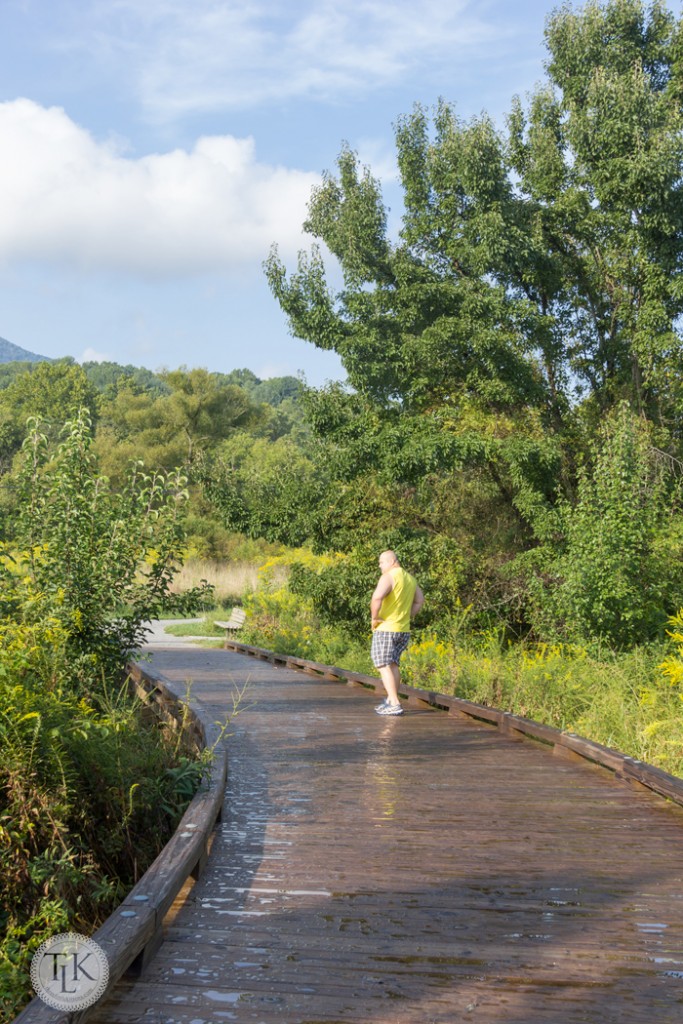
(565, 744)
(426, 868)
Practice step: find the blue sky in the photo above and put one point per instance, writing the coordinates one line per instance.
(153, 150)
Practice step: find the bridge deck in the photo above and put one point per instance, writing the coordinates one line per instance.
(415, 869)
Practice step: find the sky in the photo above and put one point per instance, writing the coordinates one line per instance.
(152, 151)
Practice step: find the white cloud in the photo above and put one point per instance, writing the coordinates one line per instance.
(275, 369)
(68, 198)
(186, 56)
(92, 356)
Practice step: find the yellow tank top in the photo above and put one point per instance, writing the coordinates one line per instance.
(396, 606)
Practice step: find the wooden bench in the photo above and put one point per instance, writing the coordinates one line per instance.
(236, 621)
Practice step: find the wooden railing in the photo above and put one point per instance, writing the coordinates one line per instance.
(132, 934)
(563, 744)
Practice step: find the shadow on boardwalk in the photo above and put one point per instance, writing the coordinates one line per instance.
(415, 869)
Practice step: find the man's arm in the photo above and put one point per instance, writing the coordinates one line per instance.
(383, 588)
(418, 601)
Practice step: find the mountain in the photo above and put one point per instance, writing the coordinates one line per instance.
(10, 353)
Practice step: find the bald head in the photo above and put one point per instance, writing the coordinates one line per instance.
(387, 560)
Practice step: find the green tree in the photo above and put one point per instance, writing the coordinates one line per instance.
(534, 286)
(599, 154)
(107, 377)
(529, 264)
(10, 371)
(203, 408)
(197, 412)
(277, 390)
(53, 392)
(263, 488)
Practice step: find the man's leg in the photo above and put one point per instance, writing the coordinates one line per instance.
(389, 675)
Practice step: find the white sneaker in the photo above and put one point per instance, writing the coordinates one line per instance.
(389, 709)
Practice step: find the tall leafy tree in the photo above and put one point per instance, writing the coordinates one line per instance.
(599, 155)
(533, 266)
(535, 284)
(198, 411)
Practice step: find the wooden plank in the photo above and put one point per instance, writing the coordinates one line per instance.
(592, 751)
(38, 1012)
(477, 711)
(533, 730)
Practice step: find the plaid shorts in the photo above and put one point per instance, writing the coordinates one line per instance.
(388, 647)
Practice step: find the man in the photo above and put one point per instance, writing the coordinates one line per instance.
(396, 600)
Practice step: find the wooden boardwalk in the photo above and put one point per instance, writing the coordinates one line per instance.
(416, 869)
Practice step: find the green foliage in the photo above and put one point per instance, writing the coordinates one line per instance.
(169, 419)
(53, 392)
(262, 488)
(110, 377)
(89, 792)
(9, 371)
(615, 564)
(283, 621)
(338, 593)
(99, 562)
(276, 390)
(196, 412)
(527, 262)
(202, 407)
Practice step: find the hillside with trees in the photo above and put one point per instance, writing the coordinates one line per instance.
(14, 353)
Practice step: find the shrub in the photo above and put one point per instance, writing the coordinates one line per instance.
(99, 562)
(615, 567)
(89, 793)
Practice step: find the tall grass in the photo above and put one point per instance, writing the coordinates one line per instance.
(231, 580)
(622, 700)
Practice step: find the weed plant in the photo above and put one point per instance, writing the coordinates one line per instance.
(89, 793)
